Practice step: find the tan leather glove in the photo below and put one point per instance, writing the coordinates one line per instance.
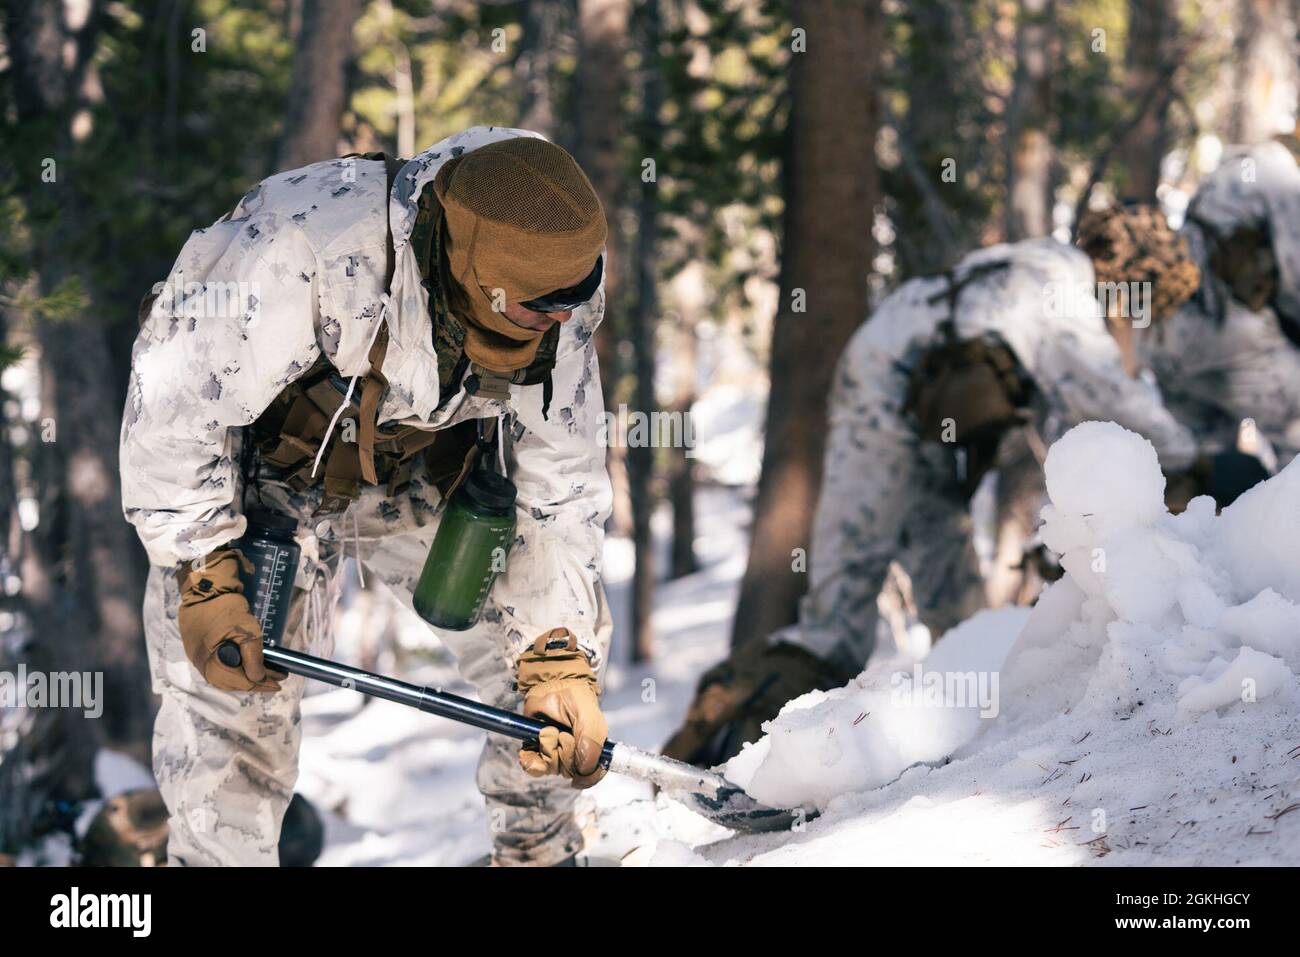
(213, 610)
(558, 685)
(735, 697)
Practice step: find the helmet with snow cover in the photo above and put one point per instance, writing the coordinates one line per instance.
(1133, 243)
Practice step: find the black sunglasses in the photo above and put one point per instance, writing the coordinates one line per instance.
(563, 300)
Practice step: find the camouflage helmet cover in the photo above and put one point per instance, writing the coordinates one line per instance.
(1134, 243)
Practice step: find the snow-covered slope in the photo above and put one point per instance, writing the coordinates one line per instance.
(1147, 712)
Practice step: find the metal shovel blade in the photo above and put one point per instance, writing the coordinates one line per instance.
(707, 793)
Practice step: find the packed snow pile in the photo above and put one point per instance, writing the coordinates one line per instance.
(1147, 710)
(864, 735)
(1184, 614)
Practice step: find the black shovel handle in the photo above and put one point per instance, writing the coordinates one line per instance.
(431, 700)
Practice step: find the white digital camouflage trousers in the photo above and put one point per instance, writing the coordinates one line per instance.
(226, 762)
(1021, 494)
(886, 496)
(896, 504)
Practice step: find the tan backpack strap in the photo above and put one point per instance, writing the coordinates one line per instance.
(403, 442)
(372, 390)
(341, 484)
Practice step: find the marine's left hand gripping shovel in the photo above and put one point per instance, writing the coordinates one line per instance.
(705, 792)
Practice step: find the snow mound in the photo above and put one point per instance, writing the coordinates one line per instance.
(1153, 687)
(864, 735)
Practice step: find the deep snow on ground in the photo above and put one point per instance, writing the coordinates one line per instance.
(1149, 711)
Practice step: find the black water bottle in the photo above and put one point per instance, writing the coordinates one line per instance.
(268, 544)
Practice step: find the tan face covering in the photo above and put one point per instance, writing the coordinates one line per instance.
(520, 221)
(491, 340)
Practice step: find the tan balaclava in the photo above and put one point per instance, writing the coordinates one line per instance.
(1134, 243)
(520, 220)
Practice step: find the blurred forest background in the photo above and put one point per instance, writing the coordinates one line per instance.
(770, 168)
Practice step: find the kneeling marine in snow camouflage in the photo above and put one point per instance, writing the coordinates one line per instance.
(377, 312)
(924, 400)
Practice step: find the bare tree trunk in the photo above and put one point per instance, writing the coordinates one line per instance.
(932, 46)
(831, 190)
(600, 83)
(403, 81)
(1263, 68)
(533, 68)
(931, 233)
(1029, 143)
(47, 755)
(1152, 36)
(681, 472)
(405, 105)
(318, 88)
(641, 456)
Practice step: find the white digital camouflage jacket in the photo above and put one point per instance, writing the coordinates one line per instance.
(1259, 186)
(297, 271)
(1043, 306)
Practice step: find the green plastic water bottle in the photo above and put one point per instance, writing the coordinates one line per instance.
(468, 552)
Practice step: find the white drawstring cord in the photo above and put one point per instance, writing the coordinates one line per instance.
(333, 422)
(320, 453)
(321, 600)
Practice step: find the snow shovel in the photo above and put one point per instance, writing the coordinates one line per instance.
(707, 793)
